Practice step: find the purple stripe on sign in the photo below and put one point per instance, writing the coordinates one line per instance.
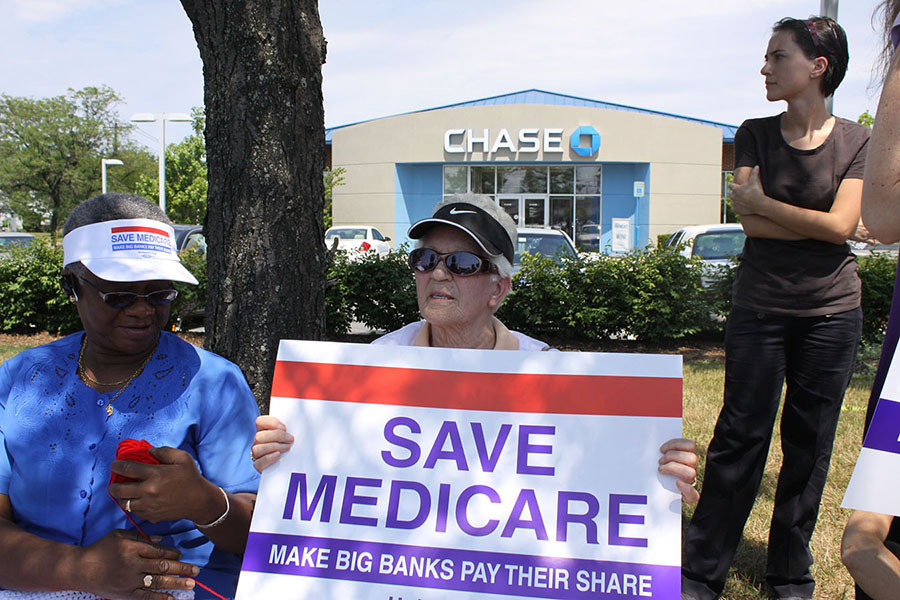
(472, 571)
(885, 428)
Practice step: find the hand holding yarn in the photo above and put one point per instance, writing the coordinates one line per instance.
(162, 484)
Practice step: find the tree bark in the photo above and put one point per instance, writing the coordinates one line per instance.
(265, 144)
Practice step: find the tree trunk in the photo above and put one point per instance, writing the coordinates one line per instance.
(265, 144)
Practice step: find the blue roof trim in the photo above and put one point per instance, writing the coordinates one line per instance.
(535, 96)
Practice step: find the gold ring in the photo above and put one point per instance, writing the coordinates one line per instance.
(148, 580)
(128, 509)
(252, 458)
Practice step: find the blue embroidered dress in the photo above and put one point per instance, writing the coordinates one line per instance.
(58, 442)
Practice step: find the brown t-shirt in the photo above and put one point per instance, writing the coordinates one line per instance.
(807, 277)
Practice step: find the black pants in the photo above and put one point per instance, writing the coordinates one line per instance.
(815, 356)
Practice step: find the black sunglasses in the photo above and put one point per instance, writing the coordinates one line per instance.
(123, 299)
(459, 263)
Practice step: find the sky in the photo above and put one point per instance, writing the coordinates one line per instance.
(698, 58)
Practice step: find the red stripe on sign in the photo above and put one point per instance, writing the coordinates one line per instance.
(162, 232)
(503, 392)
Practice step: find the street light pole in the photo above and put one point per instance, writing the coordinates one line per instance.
(103, 163)
(161, 118)
(829, 8)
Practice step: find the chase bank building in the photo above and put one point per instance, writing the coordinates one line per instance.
(587, 167)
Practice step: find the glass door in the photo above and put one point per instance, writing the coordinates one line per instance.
(535, 209)
(511, 205)
(527, 210)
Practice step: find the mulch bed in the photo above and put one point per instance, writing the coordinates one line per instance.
(36, 339)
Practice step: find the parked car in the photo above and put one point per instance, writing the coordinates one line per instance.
(191, 309)
(547, 242)
(189, 236)
(863, 249)
(715, 245)
(358, 239)
(11, 239)
(588, 237)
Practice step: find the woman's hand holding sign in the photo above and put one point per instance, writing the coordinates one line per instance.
(270, 442)
(679, 459)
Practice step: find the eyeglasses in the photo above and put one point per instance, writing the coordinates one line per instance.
(459, 263)
(124, 299)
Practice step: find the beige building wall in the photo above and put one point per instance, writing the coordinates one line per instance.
(684, 157)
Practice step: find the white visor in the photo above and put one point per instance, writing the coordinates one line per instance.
(127, 250)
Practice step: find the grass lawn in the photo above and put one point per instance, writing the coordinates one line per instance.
(703, 380)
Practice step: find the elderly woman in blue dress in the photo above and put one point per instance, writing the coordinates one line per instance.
(65, 407)
(463, 270)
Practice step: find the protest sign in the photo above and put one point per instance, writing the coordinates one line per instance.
(874, 485)
(432, 473)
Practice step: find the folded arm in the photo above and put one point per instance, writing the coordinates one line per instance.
(763, 216)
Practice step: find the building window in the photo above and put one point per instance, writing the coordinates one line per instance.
(562, 180)
(483, 180)
(456, 180)
(565, 197)
(587, 179)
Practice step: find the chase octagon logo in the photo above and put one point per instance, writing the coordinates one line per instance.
(575, 142)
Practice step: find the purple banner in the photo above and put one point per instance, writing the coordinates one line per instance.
(472, 571)
(885, 428)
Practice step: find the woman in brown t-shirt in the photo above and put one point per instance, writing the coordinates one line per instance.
(796, 315)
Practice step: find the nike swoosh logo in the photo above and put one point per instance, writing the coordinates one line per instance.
(456, 211)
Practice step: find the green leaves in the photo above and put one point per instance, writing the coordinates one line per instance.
(190, 305)
(652, 295)
(379, 292)
(877, 274)
(50, 150)
(29, 291)
(331, 178)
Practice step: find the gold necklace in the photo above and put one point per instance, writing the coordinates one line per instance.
(82, 373)
(85, 377)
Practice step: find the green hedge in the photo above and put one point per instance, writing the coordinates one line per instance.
(377, 292)
(33, 301)
(877, 275)
(652, 295)
(30, 295)
(188, 308)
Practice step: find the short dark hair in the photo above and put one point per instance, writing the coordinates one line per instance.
(110, 207)
(829, 41)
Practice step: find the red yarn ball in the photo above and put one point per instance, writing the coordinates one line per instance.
(134, 450)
